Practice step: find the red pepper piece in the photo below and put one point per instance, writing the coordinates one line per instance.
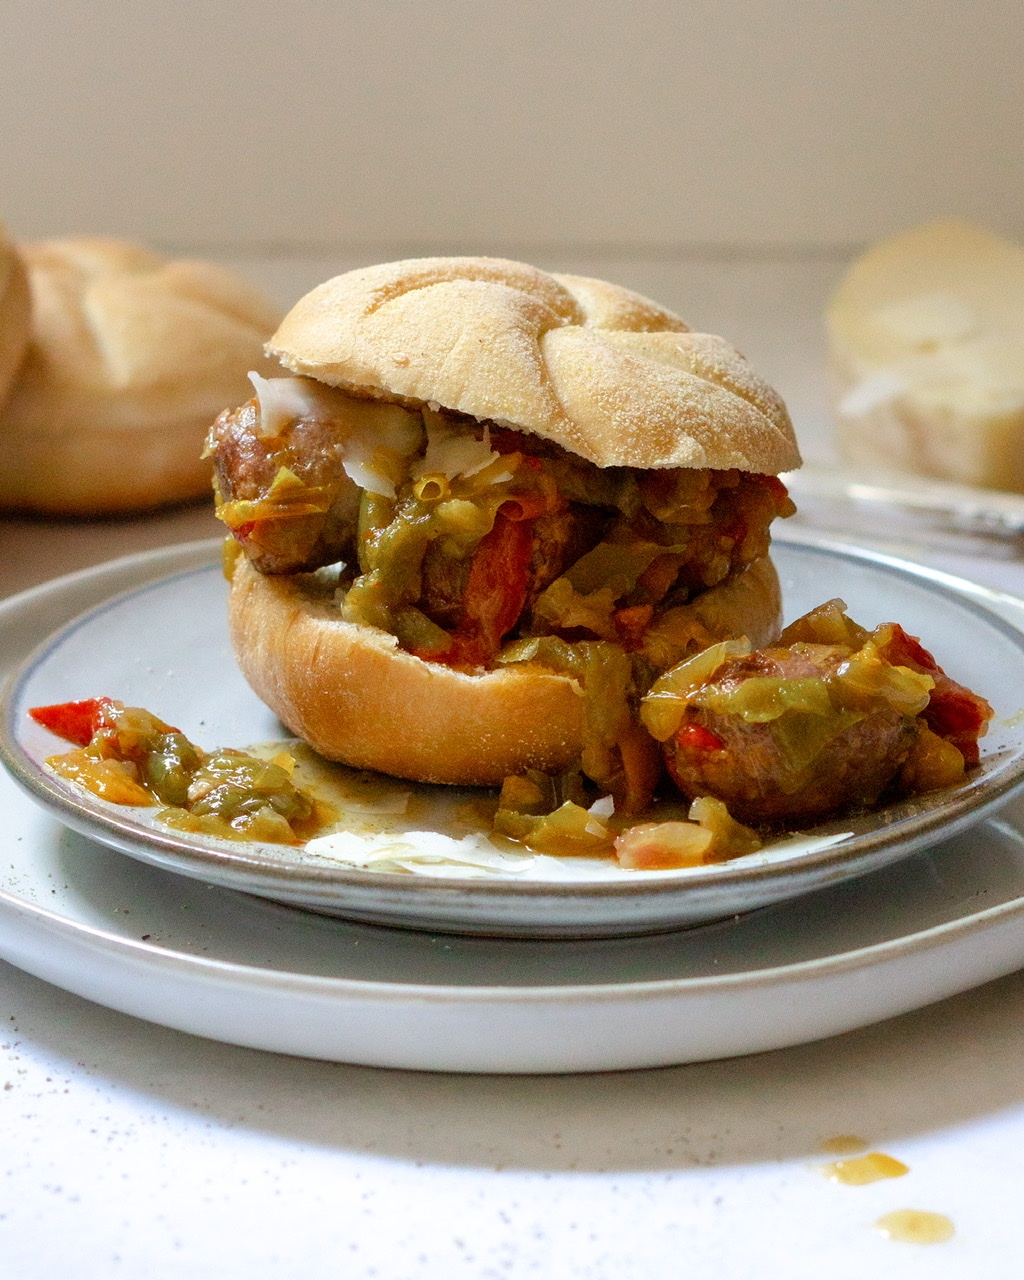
(694, 737)
(499, 580)
(958, 715)
(496, 592)
(954, 712)
(903, 650)
(76, 722)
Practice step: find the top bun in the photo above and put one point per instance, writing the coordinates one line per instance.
(15, 313)
(598, 369)
(129, 360)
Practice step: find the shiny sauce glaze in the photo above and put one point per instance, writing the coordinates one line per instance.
(858, 1171)
(916, 1226)
(131, 757)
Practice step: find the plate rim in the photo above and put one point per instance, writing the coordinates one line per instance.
(857, 958)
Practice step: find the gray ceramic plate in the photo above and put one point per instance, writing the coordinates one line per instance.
(163, 644)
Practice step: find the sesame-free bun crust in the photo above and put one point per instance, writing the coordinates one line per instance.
(130, 358)
(355, 696)
(596, 368)
(15, 313)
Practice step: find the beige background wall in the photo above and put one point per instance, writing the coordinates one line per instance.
(623, 125)
(723, 156)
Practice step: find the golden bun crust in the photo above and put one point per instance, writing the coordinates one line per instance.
(354, 696)
(598, 369)
(131, 357)
(15, 313)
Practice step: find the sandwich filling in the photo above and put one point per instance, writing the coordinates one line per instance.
(477, 545)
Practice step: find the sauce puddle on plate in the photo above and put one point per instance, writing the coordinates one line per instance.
(916, 1226)
(854, 1169)
(858, 1171)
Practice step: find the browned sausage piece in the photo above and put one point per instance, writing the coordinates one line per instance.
(286, 498)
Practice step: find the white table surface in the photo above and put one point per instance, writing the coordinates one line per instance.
(131, 1150)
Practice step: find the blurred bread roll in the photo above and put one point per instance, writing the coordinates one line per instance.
(130, 359)
(926, 340)
(15, 312)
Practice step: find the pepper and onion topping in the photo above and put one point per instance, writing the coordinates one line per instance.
(468, 541)
(128, 756)
(478, 547)
(556, 816)
(831, 719)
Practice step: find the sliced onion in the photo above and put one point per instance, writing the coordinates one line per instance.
(284, 400)
(452, 452)
(379, 437)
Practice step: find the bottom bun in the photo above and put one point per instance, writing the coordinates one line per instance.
(355, 696)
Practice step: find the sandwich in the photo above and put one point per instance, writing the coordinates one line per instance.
(482, 508)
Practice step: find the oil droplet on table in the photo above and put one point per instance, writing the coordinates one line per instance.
(916, 1226)
(861, 1170)
(843, 1144)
